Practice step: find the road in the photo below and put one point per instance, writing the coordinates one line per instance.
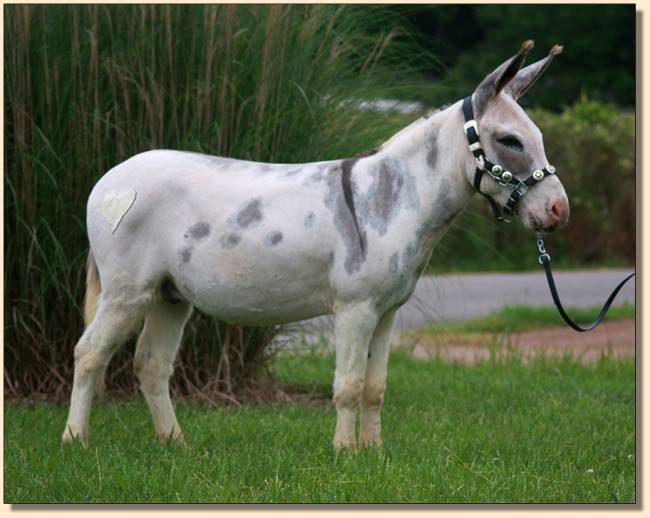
(467, 296)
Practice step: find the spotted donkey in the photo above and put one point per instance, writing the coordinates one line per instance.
(258, 244)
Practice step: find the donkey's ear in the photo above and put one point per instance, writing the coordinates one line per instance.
(499, 78)
(527, 76)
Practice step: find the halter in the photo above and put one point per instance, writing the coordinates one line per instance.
(495, 171)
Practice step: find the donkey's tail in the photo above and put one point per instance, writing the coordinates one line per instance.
(93, 290)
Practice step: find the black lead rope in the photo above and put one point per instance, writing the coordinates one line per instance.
(545, 260)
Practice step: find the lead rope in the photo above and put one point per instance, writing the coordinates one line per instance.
(545, 260)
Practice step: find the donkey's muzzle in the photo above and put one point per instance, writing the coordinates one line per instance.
(557, 214)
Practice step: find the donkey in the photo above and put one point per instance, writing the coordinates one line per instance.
(263, 244)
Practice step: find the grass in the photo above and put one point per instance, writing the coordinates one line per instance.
(513, 319)
(552, 431)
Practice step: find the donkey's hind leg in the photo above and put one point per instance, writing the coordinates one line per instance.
(116, 319)
(154, 359)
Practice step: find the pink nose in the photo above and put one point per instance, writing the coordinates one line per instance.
(558, 212)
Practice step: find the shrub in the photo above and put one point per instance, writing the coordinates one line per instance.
(592, 145)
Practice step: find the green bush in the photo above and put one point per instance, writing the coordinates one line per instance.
(592, 146)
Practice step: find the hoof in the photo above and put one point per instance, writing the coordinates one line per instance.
(370, 442)
(174, 437)
(347, 446)
(69, 437)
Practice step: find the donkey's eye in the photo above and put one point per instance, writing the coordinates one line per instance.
(511, 142)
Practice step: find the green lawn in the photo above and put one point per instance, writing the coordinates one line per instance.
(553, 431)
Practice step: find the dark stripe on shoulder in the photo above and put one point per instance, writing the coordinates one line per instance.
(347, 166)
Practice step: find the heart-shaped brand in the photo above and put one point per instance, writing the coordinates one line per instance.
(116, 205)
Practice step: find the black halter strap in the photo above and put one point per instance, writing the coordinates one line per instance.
(495, 171)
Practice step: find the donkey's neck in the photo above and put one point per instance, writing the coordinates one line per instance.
(433, 150)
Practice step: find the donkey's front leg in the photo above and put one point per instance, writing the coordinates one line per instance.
(353, 328)
(375, 383)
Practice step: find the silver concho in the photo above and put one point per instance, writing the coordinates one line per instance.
(497, 170)
(550, 168)
(506, 176)
(538, 175)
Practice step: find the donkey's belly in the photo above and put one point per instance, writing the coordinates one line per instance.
(257, 289)
(256, 311)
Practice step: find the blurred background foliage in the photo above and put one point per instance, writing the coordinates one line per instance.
(468, 40)
(87, 86)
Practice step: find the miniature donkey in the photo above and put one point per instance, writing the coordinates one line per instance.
(260, 244)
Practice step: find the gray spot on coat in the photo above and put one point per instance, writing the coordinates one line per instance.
(415, 249)
(310, 218)
(445, 207)
(230, 240)
(415, 258)
(186, 254)
(409, 253)
(199, 231)
(432, 148)
(393, 263)
(273, 238)
(392, 190)
(317, 174)
(250, 214)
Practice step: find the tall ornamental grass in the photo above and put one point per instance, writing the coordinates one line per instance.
(86, 87)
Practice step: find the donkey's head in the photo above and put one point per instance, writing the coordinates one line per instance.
(513, 145)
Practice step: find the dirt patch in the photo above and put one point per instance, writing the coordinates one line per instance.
(616, 339)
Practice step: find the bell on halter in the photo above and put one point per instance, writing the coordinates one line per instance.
(538, 175)
(497, 170)
(506, 176)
